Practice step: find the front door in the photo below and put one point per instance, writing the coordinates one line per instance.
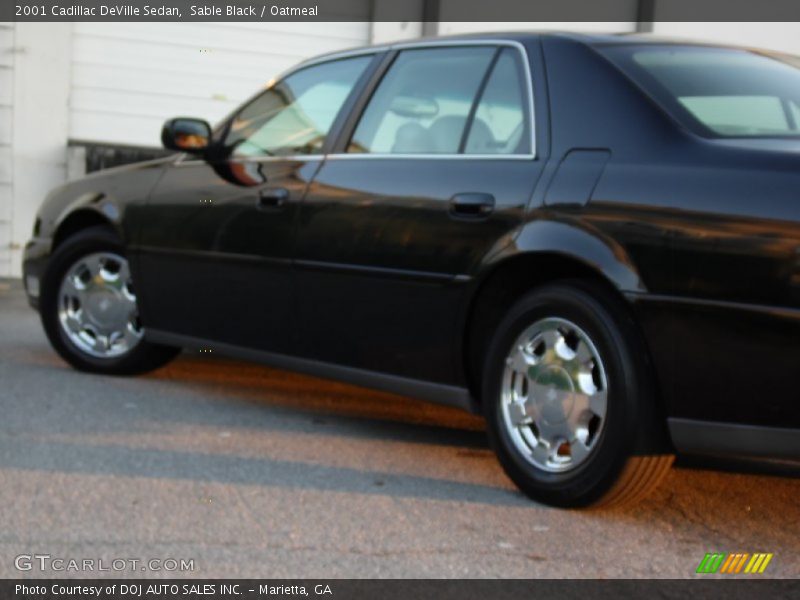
(216, 243)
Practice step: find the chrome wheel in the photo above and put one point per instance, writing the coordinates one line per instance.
(97, 306)
(554, 395)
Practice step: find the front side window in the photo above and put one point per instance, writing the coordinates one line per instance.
(423, 103)
(295, 115)
(724, 92)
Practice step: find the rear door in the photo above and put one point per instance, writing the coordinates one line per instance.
(430, 176)
(218, 234)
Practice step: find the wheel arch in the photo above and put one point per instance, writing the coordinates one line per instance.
(544, 252)
(78, 220)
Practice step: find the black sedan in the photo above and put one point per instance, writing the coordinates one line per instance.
(591, 240)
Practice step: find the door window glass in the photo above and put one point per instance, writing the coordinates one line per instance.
(500, 124)
(422, 104)
(295, 115)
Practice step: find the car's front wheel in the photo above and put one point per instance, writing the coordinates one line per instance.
(89, 308)
(566, 395)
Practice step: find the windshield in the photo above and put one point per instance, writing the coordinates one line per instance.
(721, 92)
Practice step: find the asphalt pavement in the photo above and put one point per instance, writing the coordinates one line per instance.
(248, 471)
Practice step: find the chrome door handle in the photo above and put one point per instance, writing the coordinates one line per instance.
(272, 198)
(471, 205)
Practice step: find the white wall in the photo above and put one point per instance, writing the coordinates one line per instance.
(127, 78)
(783, 37)
(6, 134)
(452, 28)
(383, 32)
(34, 162)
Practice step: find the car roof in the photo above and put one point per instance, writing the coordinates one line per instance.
(590, 39)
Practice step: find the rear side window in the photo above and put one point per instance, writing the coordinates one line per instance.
(500, 124)
(447, 100)
(723, 92)
(295, 115)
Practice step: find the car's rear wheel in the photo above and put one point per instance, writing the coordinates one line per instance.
(565, 393)
(89, 308)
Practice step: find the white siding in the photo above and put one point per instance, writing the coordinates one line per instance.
(6, 133)
(39, 127)
(127, 78)
(783, 37)
(456, 27)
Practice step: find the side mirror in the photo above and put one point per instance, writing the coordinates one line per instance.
(186, 135)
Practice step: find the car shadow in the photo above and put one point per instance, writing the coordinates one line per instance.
(182, 408)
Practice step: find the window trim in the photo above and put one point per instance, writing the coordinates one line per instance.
(184, 160)
(527, 86)
(354, 92)
(476, 102)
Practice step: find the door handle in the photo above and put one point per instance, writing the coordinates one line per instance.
(272, 198)
(471, 205)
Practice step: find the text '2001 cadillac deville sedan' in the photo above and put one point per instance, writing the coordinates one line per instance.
(591, 240)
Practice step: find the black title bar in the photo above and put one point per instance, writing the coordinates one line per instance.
(391, 589)
(401, 10)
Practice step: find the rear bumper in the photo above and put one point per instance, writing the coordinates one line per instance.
(34, 262)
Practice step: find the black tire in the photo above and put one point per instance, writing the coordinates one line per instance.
(144, 356)
(616, 471)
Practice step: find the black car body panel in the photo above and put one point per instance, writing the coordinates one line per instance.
(363, 272)
(106, 197)
(226, 243)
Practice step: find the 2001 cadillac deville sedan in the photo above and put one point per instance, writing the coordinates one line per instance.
(592, 240)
